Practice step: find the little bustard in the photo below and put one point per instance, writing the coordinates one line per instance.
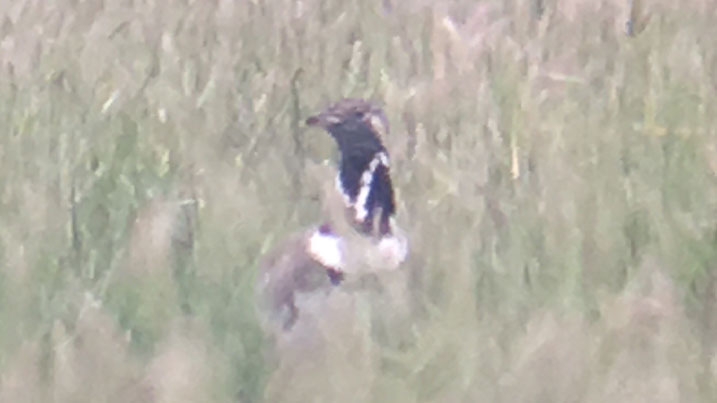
(318, 259)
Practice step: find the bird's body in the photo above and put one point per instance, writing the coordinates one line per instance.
(317, 260)
(299, 265)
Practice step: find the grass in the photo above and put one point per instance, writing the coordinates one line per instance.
(556, 178)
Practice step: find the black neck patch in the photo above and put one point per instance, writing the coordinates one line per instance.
(367, 188)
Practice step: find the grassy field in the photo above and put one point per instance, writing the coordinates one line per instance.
(555, 175)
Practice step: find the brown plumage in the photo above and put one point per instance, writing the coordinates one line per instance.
(289, 269)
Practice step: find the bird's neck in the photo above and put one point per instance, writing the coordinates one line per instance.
(365, 182)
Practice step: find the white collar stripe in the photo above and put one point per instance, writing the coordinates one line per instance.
(380, 158)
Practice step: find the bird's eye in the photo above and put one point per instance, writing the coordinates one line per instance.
(359, 114)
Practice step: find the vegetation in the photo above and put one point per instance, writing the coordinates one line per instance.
(555, 175)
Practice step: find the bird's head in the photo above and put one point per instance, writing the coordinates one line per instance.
(358, 127)
(353, 123)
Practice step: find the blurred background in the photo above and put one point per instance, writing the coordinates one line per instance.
(555, 163)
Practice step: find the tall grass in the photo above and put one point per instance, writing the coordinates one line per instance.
(556, 178)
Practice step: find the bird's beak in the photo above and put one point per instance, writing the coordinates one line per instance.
(323, 120)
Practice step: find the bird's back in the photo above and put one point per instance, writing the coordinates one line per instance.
(285, 272)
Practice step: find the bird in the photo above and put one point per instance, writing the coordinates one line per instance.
(320, 258)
